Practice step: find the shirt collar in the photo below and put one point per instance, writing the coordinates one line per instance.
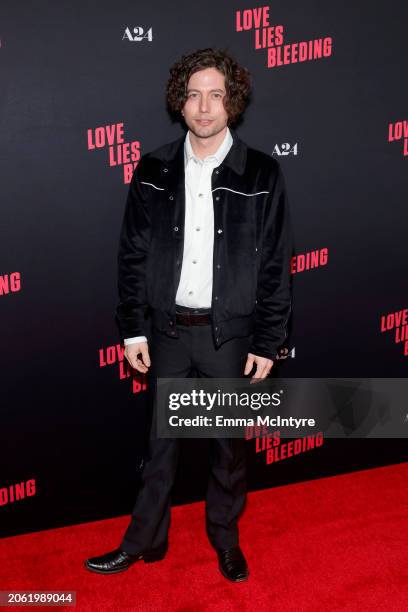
(218, 156)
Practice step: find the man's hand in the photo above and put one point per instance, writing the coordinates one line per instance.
(263, 367)
(141, 364)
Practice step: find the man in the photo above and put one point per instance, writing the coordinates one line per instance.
(204, 255)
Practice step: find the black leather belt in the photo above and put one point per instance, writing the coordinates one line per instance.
(193, 316)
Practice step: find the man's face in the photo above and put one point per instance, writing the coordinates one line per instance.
(204, 110)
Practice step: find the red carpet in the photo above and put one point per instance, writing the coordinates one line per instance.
(338, 543)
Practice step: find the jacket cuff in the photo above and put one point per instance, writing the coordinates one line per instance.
(262, 351)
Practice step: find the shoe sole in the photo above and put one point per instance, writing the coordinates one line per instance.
(123, 569)
(97, 571)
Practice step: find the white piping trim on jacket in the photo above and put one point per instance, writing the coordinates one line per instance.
(240, 192)
(160, 188)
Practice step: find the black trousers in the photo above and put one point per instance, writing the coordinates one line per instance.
(171, 357)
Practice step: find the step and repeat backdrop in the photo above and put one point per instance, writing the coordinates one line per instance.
(82, 97)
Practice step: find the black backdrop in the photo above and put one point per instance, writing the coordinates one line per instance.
(67, 420)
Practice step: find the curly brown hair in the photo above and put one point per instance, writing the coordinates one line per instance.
(237, 80)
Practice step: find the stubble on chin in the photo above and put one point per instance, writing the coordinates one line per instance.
(206, 131)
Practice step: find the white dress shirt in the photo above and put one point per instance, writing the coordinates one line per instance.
(195, 286)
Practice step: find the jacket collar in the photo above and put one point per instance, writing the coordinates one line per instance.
(235, 159)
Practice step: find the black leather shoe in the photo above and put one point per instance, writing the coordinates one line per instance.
(232, 564)
(118, 560)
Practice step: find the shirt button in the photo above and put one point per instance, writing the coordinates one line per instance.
(218, 266)
(197, 229)
(170, 197)
(216, 297)
(165, 170)
(176, 229)
(216, 172)
(170, 322)
(190, 293)
(194, 261)
(172, 332)
(216, 329)
(217, 198)
(200, 195)
(219, 231)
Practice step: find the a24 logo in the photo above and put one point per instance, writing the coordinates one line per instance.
(285, 149)
(138, 34)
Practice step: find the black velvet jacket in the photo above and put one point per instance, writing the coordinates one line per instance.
(252, 247)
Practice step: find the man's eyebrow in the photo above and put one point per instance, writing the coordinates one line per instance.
(220, 90)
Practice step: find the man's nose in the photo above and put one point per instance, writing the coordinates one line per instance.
(203, 104)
